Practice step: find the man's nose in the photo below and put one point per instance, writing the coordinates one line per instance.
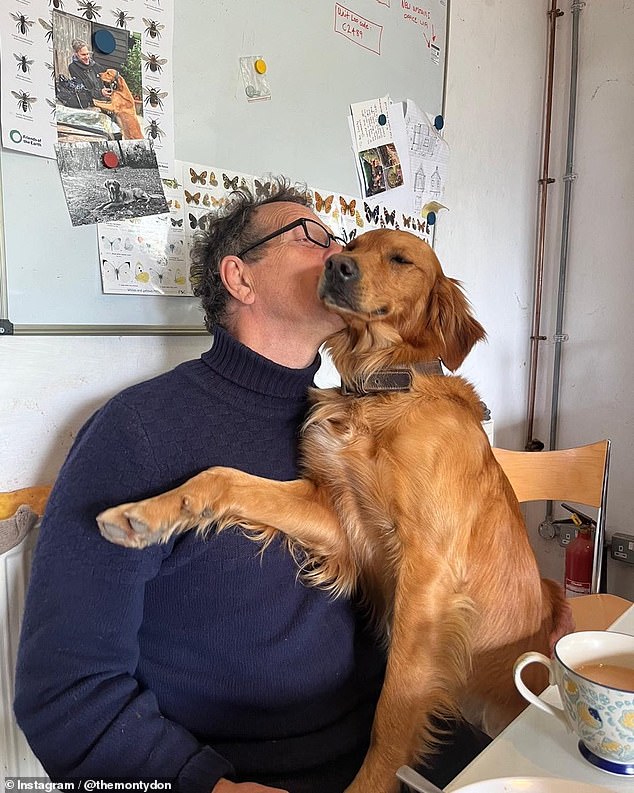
(334, 248)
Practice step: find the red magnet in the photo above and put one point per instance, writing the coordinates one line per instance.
(110, 159)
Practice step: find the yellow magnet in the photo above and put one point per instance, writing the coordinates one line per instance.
(260, 66)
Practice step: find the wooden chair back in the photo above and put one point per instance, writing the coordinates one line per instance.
(579, 475)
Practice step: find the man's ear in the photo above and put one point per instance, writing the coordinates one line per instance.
(236, 276)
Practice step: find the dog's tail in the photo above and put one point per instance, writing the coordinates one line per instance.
(555, 603)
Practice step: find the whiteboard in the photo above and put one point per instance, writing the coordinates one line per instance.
(321, 56)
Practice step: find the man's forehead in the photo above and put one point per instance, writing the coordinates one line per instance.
(279, 213)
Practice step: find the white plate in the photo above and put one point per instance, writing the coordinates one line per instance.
(527, 784)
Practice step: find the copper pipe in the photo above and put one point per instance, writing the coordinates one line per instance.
(544, 181)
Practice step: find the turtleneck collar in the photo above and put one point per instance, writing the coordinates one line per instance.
(246, 368)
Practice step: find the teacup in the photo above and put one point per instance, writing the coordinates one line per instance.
(594, 673)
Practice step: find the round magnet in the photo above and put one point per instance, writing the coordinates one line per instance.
(110, 159)
(439, 122)
(431, 218)
(104, 41)
(260, 66)
(382, 119)
(251, 91)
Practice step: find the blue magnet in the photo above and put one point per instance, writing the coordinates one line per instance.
(431, 218)
(104, 41)
(382, 119)
(439, 122)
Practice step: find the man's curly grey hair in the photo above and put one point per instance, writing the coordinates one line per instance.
(227, 232)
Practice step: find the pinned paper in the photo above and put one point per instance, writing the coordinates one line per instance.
(254, 70)
(378, 160)
(428, 157)
(401, 157)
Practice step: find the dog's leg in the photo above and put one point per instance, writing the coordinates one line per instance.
(427, 666)
(225, 497)
(107, 205)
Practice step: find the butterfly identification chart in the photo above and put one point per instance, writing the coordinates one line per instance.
(28, 66)
(147, 255)
(195, 194)
(150, 256)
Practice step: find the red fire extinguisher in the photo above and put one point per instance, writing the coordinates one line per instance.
(579, 558)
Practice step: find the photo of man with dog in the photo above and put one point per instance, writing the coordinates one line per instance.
(98, 94)
(96, 193)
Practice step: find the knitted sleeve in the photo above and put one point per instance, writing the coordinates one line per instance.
(83, 712)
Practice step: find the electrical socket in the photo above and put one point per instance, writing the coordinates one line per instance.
(622, 548)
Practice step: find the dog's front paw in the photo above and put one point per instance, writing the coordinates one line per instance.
(143, 523)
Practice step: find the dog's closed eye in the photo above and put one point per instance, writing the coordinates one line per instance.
(400, 259)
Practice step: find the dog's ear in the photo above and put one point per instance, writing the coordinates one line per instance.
(450, 319)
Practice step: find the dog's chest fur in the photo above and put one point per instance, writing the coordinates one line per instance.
(344, 432)
(346, 449)
(349, 440)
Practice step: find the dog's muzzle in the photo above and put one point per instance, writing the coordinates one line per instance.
(339, 281)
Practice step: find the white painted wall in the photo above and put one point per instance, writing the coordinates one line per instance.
(49, 386)
(495, 90)
(597, 373)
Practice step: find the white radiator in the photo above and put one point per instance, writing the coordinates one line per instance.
(16, 758)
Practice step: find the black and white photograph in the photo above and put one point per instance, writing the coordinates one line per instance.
(129, 186)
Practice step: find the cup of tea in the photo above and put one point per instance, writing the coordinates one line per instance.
(594, 673)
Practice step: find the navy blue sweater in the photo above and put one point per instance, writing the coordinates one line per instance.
(200, 658)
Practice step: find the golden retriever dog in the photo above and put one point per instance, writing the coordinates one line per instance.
(401, 500)
(120, 196)
(121, 104)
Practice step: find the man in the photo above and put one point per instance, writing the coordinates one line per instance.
(83, 69)
(202, 661)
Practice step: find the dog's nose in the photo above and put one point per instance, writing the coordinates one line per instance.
(342, 267)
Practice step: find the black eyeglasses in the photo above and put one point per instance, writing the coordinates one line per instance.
(313, 230)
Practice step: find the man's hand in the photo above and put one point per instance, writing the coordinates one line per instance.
(106, 92)
(224, 786)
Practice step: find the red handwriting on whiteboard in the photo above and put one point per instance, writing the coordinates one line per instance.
(417, 15)
(356, 28)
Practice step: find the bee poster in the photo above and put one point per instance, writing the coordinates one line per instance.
(38, 89)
